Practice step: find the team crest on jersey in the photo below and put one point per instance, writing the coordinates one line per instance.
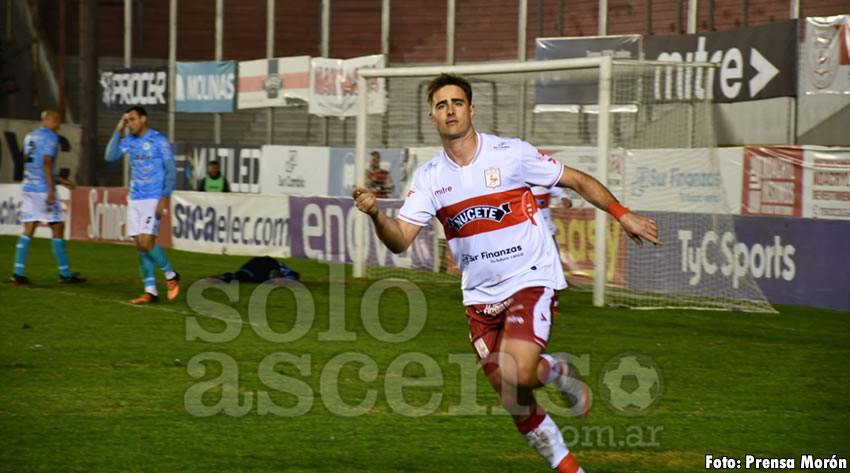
(146, 146)
(478, 212)
(493, 177)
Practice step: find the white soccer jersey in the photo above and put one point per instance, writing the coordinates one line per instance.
(489, 214)
(544, 198)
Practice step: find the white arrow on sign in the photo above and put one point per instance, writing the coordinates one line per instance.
(765, 72)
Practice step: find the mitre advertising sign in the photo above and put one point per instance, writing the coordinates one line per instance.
(754, 63)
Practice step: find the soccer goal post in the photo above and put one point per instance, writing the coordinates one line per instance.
(643, 128)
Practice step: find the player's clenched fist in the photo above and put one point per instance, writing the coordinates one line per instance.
(365, 201)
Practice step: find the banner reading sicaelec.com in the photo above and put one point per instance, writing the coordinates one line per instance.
(233, 224)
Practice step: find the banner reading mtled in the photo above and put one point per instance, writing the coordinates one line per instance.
(755, 63)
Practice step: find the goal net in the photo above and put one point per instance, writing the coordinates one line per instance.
(645, 129)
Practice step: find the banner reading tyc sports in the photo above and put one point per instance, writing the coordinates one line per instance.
(756, 63)
(205, 87)
(231, 224)
(275, 82)
(334, 82)
(827, 65)
(145, 86)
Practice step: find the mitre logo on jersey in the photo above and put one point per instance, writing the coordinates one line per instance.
(478, 212)
(501, 146)
(493, 177)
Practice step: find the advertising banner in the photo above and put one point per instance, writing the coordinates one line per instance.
(295, 170)
(323, 230)
(756, 63)
(232, 224)
(333, 86)
(101, 215)
(275, 82)
(826, 183)
(205, 87)
(827, 65)
(576, 230)
(578, 91)
(10, 211)
(123, 88)
(240, 165)
(12, 153)
(796, 182)
(784, 256)
(341, 176)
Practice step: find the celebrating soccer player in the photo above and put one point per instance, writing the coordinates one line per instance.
(40, 203)
(478, 186)
(152, 181)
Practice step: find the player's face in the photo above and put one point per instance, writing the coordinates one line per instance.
(214, 170)
(55, 122)
(376, 161)
(451, 112)
(136, 122)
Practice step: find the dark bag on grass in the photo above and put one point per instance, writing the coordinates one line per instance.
(260, 269)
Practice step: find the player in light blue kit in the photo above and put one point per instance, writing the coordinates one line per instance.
(40, 203)
(151, 183)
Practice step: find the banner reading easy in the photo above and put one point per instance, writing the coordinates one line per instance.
(144, 86)
(231, 224)
(323, 230)
(275, 82)
(205, 87)
(827, 68)
(333, 86)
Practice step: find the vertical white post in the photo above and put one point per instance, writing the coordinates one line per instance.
(172, 65)
(128, 54)
(693, 11)
(792, 129)
(795, 9)
(600, 249)
(269, 55)
(360, 224)
(450, 31)
(385, 31)
(522, 55)
(219, 29)
(603, 17)
(325, 51)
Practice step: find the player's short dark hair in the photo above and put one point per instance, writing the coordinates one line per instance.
(138, 109)
(443, 80)
(211, 163)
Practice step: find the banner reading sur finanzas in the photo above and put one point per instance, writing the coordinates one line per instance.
(205, 87)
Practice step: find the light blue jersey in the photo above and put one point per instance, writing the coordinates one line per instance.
(37, 144)
(149, 155)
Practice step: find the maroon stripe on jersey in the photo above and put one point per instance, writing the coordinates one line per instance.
(487, 213)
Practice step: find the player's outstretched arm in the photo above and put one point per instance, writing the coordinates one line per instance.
(396, 234)
(637, 227)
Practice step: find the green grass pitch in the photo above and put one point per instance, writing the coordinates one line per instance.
(93, 384)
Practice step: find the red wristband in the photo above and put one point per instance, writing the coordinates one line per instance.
(617, 210)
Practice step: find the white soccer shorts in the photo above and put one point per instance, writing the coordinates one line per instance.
(141, 217)
(34, 208)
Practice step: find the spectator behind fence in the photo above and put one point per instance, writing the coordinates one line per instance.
(377, 179)
(214, 181)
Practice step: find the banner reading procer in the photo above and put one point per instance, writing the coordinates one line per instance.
(124, 88)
